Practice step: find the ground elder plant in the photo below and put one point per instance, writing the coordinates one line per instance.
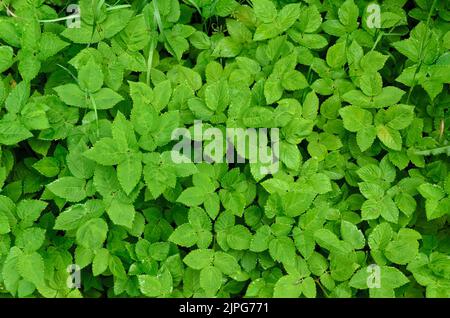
(98, 99)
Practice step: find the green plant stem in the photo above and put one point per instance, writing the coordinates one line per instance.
(422, 43)
(150, 58)
(95, 112)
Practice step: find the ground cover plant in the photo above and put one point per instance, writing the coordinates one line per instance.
(93, 205)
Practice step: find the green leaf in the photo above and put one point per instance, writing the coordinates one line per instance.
(355, 118)
(288, 15)
(105, 152)
(373, 61)
(29, 67)
(47, 166)
(390, 95)
(18, 97)
(380, 236)
(294, 80)
(162, 93)
(371, 84)
(217, 96)
(71, 218)
(358, 98)
(105, 98)
(29, 211)
(365, 137)
(13, 132)
(390, 277)
(409, 48)
(159, 250)
(406, 203)
(290, 155)
(436, 209)
(210, 279)
(304, 241)
(310, 19)
(328, 240)
(199, 259)
(317, 264)
(92, 234)
(348, 14)
(287, 287)
(129, 172)
(80, 166)
(272, 90)
(4, 224)
(266, 31)
(100, 262)
(399, 116)
(10, 271)
(431, 191)
(264, 10)
(352, 235)
(90, 77)
(226, 263)
(282, 249)
(150, 286)
(184, 75)
(310, 106)
(193, 196)
(274, 185)
(402, 250)
(6, 58)
(184, 235)
(295, 203)
(371, 209)
(121, 213)
(336, 55)
(31, 267)
(238, 31)
(141, 94)
(69, 188)
(260, 240)
(212, 205)
(239, 237)
(391, 138)
(308, 286)
(72, 95)
(49, 45)
(389, 210)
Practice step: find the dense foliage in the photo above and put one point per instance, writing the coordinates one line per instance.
(362, 193)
